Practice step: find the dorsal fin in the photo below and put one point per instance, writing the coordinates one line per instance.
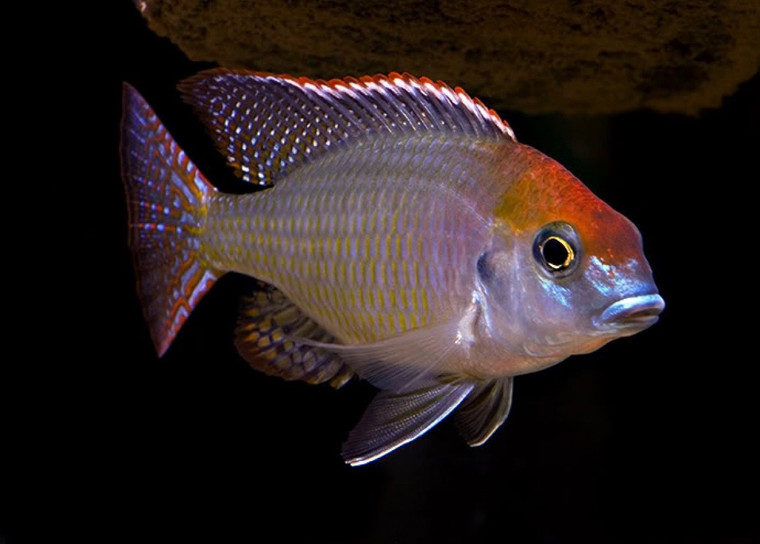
(267, 323)
(267, 124)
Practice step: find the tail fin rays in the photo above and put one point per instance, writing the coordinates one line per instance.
(167, 198)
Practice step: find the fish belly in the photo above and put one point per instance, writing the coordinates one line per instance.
(369, 242)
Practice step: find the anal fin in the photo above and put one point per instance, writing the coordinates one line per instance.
(268, 333)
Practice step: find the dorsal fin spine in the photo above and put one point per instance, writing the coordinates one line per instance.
(431, 89)
(324, 107)
(412, 105)
(367, 83)
(384, 87)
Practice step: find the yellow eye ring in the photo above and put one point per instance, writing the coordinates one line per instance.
(557, 253)
(557, 249)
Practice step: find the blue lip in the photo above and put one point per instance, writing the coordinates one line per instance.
(641, 310)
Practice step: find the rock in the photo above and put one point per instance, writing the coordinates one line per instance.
(542, 56)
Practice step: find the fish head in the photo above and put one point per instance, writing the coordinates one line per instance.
(566, 273)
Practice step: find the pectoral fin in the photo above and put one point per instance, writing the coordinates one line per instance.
(392, 420)
(484, 410)
(401, 363)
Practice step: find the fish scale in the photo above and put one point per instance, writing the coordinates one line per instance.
(362, 279)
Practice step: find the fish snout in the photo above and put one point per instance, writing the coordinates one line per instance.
(637, 312)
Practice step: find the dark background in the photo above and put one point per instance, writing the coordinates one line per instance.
(651, 439)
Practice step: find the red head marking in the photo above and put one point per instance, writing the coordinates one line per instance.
(543, 191)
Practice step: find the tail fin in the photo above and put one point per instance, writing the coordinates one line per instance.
(166, 198)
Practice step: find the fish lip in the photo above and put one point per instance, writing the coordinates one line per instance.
(639, 311)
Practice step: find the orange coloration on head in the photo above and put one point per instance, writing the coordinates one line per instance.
(546, 192)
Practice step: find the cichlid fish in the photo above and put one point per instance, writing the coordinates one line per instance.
(404, 236)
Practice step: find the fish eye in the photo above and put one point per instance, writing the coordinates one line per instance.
(557, 253)
(556, 249)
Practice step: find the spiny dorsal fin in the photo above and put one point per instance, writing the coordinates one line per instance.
(484, 410)
(267, 124)
(267, 323)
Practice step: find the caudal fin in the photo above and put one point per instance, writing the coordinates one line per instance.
(166, 198)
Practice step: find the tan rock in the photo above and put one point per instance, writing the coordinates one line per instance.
(538, 56)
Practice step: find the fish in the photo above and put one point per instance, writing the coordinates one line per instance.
(396, 231)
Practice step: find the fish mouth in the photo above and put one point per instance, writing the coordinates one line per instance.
(635, 312)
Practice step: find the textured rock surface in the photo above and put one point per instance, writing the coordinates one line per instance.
(536, 56)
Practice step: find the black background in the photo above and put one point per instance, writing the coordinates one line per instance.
(651, 439)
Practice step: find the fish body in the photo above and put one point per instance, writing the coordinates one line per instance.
(404, 235)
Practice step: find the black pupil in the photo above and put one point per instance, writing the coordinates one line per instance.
(555, 253)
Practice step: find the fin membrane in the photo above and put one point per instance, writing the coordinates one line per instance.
(392, 420)
(402, 362)
(484, 410)
(265, 334)
(166, 198)
(268, 124)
